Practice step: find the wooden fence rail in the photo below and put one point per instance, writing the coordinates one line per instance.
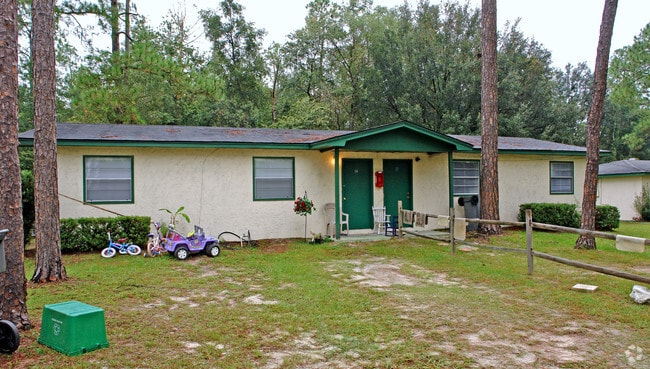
(594, 268)
(582, 232)
(530, 253)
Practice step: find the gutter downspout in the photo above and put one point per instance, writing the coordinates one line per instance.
(450, 160)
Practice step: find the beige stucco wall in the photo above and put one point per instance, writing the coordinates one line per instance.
(216, 186)
(621, 192)
(526, 178)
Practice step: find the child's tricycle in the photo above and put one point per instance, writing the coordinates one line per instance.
(194, 243)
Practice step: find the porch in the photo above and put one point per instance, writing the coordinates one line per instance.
(381, 166)
(367, 235)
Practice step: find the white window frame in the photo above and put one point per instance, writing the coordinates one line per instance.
(466, 177)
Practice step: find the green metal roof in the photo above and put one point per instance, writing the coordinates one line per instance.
(396, 137)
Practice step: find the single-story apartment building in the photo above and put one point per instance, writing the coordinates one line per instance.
(239, 179)
(620, 182)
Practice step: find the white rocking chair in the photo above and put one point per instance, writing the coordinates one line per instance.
(381, 219)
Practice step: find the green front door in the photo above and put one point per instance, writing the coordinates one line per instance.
(398, 184)
(357, 192)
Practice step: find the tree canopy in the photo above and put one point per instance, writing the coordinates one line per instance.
(350, 66)
(630, 92)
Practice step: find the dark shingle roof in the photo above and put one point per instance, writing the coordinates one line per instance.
(522, 144)
(623, 167)
(155, 135)
(192, 134)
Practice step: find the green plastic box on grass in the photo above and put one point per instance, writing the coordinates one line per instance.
(73, 328)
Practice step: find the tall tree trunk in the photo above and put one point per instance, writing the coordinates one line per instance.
(594, 118)
(274, 98)
(49, 266)
(489, 203)
(127, 26)
(13, 284)
(115, 27)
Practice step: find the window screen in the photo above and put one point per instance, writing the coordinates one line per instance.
(273, 178)
(561, 177)
(466, 177)
(108, 178)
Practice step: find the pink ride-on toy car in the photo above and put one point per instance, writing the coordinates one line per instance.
(181, 247)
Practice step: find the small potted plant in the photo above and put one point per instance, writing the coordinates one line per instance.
(165, 228)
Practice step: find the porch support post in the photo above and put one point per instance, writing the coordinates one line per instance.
(450, 164)
(337, 194)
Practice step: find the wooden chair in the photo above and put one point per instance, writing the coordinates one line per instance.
(392, 226)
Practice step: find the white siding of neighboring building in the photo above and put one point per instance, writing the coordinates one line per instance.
(620, 191)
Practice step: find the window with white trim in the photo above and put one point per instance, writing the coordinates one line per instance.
(108, 179)
(273, 178)
(466, 177)
(561, 173)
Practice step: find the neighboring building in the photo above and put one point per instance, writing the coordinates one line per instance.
(620, 182)
(238, 179)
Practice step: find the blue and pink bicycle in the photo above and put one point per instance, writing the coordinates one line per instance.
(121, 246)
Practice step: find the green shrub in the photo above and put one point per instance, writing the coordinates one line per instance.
(642, 203)
(90, 234)
(557, 214)
(607, 217)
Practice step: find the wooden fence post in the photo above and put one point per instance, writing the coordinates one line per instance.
(529, 240)
(452, 242)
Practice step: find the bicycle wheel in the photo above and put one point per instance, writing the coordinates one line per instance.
(133, 250)
(151, 249)
(108, 252)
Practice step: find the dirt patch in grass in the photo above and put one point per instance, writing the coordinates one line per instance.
(275, 246)
(274, 249)
(642, 268)
(515, 338)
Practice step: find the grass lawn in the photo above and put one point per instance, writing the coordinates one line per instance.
(394, 303)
